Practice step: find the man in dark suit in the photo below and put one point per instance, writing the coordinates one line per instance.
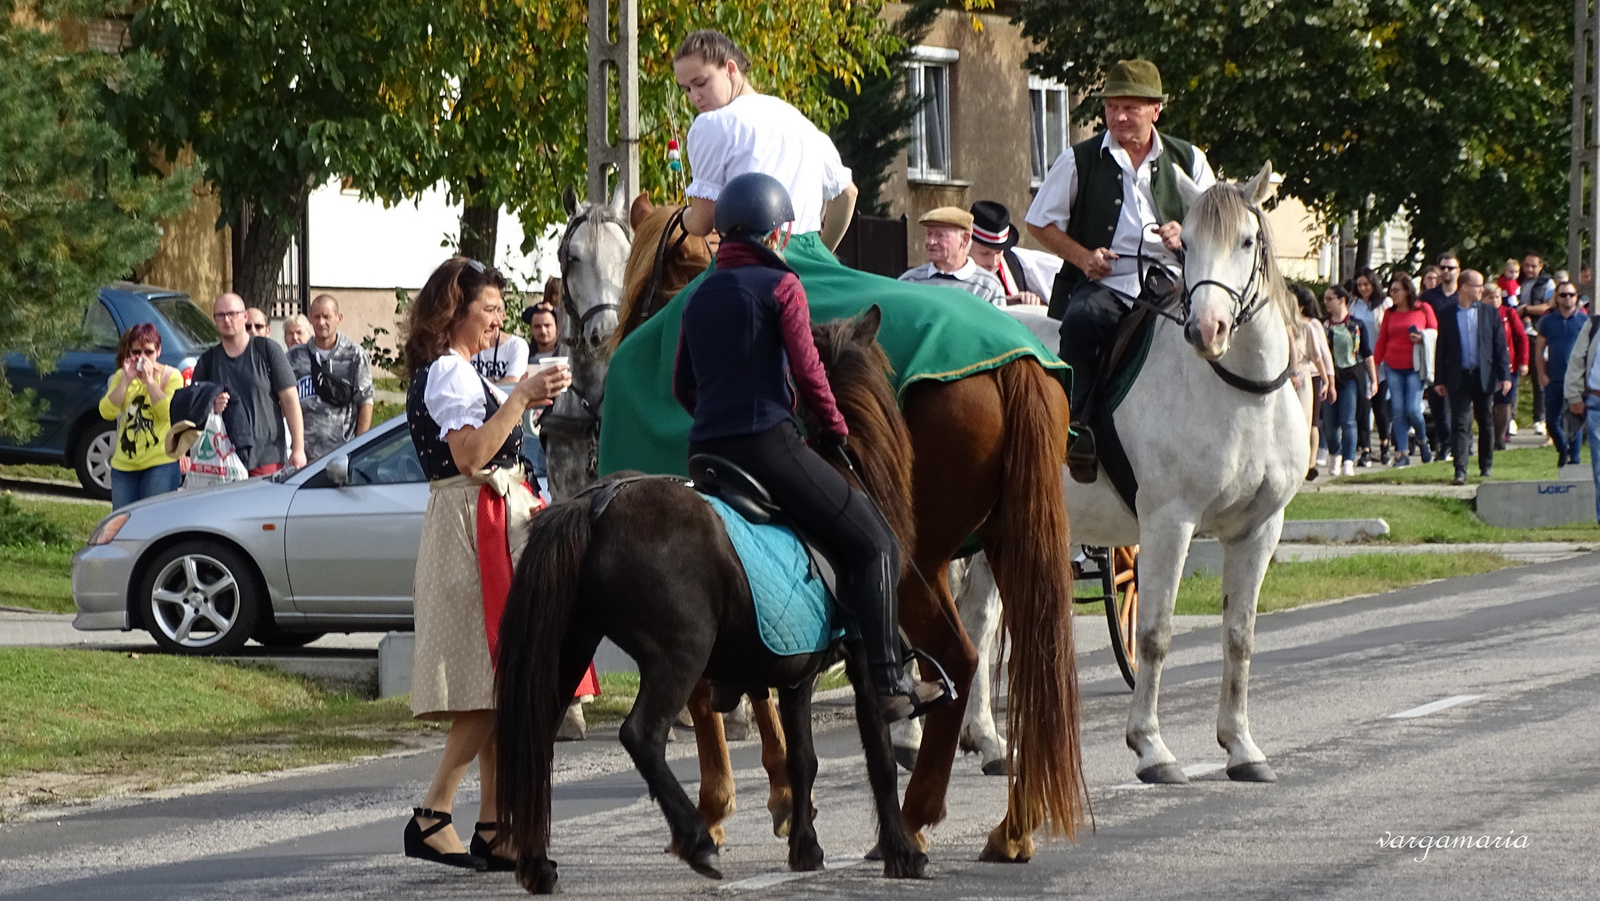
(1470, 363)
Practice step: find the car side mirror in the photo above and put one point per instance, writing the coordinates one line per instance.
(338, 470)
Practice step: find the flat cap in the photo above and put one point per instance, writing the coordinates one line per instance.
(952, 216)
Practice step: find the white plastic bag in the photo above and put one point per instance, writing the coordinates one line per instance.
(212, 459)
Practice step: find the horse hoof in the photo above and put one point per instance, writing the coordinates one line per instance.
(702, 863)
(909, 866)
(875, 854)
(991, 854)
(537, 876)
(1163, 774)
(1252, 772)
(719, 836)
(806, 860)
(996, 767)
(780, 820)
(906, 757)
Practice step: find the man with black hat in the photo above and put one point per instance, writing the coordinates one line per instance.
(992, 241)
(1110, 207)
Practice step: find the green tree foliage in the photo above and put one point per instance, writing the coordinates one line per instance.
(1455, 110)
(73, 213)
(277, 97)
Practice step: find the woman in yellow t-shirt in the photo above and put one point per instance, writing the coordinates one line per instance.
(139, 398)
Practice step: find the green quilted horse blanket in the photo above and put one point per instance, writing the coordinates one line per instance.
(929, 333)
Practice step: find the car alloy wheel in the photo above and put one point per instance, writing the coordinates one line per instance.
(94, 460)
(200, 598)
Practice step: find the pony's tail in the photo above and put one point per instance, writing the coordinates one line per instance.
(1046, 782)
(528, 701)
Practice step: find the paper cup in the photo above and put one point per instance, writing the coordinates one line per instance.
(547, 362)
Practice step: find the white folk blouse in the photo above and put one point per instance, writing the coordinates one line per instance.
(454, 394)
(759, 133)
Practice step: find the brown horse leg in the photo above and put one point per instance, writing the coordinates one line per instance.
(774, 758)
(956, 430)
(716, 770)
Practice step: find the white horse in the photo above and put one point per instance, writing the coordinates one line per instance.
(594, 255)
(1219, 444)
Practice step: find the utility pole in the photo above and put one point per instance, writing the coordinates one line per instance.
(1583, 230)
(621, 58)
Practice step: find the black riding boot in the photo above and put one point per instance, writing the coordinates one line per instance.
(876, 611)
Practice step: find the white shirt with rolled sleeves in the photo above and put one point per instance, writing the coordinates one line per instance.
(760, 133)
(1053, 206)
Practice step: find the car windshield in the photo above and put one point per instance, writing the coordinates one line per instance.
(188, 321)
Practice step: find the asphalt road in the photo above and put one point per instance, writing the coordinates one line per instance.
(1510, 757)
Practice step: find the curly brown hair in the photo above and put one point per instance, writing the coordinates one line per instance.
(441, 305)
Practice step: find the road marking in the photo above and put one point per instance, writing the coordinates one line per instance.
(768, 880)
(1435, 707)
(1193, 771)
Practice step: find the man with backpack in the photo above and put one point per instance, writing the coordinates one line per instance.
(1583, 391)
(333, 379)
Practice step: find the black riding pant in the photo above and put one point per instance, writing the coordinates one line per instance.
(843, 521)
(1088, 323)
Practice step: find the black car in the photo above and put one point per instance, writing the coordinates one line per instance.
(71, 431)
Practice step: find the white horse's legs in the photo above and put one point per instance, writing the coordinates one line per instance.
(1244, 564)
(978, 601)
(1161, 555)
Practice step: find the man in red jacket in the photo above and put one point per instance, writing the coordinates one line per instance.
(1505, 405)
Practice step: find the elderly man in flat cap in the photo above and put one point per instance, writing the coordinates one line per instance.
(1104, 204)
(949, 246)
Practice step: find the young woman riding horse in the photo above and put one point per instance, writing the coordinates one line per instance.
(988, 420)
(645, 562)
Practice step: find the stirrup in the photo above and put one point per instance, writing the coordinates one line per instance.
(1082, 460)
(923, 697)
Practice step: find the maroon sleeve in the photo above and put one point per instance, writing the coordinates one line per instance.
(794, 316)
(683, 384)
(1516, 339)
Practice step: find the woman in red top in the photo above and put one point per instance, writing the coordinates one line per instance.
(1517, 348)
(1398, 337)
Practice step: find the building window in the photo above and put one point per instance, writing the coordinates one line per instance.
(928, 153)
(1047, 104)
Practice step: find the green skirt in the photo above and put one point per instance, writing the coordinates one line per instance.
(929, 333)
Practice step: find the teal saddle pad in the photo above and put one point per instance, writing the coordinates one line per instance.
(794, 611)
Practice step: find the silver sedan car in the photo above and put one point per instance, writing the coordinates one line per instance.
(328, 548)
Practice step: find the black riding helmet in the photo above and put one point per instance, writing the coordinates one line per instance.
(752, 205)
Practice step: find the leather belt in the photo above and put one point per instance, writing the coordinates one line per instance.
(1591, 392)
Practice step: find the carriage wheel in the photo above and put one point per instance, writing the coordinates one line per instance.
(1122, 608)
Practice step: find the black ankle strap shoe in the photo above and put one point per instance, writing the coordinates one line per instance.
(417, 846)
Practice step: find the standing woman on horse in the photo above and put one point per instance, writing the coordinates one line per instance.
(746, 332)
(468, 436)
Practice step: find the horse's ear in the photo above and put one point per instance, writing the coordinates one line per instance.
(867, 326)
(1187, 189)
(641, 207)
(1258, 189)
(619, 199)
(569, 200)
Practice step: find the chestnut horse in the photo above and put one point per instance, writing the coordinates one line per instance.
(987, 461)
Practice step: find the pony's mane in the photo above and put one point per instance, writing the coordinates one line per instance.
(858, 373)
(1217, 214)
(676, 271)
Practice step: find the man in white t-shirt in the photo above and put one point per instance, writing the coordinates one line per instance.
(1110, 207)
(950, 263)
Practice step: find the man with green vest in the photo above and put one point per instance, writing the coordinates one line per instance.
(1104, 204)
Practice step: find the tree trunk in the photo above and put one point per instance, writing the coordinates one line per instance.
(266, 241)
(480, 221)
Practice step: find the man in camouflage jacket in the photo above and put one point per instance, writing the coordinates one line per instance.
(328, 426)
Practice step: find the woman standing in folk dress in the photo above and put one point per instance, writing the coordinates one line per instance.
(468, 436)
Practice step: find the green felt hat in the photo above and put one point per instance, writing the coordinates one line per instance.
(1132, 78)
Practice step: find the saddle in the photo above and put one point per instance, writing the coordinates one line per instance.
(726, 481)
(1119, 367)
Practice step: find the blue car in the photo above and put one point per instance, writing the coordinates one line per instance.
(71, 431)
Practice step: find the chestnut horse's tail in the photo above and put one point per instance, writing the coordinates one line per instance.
(529, 699)
(1029, 554)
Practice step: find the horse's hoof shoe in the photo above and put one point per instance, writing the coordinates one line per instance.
(702, 864)
(1258, 771)
(1163, 774)
(994, 854)
(995, 767)
(906, 757)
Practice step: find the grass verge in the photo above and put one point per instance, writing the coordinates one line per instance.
(76, 724)
(1293, 584)
(1519, 464)
(1430, 520)
(37, 471)
(37, 540)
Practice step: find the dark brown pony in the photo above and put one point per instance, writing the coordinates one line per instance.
(988, 452)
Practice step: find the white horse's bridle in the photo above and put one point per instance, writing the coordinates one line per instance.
(1247, 302)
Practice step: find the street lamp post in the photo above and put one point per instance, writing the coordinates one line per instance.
(621, 57)
(1583, 248)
